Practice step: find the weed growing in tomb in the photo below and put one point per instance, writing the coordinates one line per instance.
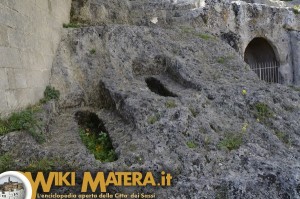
(98, 144)
(95, 137)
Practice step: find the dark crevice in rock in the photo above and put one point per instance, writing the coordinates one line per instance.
(231, 38)
(90, 120)
(157, 87)
(106, 101)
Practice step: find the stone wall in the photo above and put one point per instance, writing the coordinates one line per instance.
(29, 35)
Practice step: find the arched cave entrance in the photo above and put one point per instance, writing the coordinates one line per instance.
(261, 57)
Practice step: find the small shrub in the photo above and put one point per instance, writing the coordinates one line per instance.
(6, 162)
(232, 141)
(24, 120)
(222, 192)
(221, 60)
(193, 111)
(139, 159)
(71, 25)
(50, 93)
(206, 141)
(170, 104)
(186, 29)
(262, 112)
(44, 165)
(191, 144)
(224, 59)
(47, 164)
(283, 137)
(98, 144)
(296, 9)
(295, 88)
(206, 36)
(244, 92)
(152, 119)
(93, 51)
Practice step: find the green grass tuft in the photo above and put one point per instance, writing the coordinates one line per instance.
(193, 111)
(23, 120)
(47, 164)
(263, 112)
(170, 104)
(71, 25)
(26, 120)
(221, 60)
(50, 93)
(191, 144)
(296, 9)
(231, 141)
(6, 161)
(283, 137)
(153, 119)
(93, 51)
(206, 36)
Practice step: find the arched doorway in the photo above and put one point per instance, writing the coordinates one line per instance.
(262, 59)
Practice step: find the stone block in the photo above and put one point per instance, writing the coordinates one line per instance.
(38, 93)
(3, 103)
(3, 80)
(34, 76)
(12, 102)
(44, 5)
(16, 38)
(23, 97)
(24, 7)
(4, 3)
(20, 78)
(17, 78)
(10, 58)
(11, 79)
(3, 36)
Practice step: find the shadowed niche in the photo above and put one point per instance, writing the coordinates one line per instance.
(259, 51)
(157, 87)
(261, 57)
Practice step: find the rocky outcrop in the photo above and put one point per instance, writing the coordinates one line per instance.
(175, 95)
(183, 132)
(236, 22)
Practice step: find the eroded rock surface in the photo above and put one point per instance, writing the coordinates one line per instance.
(168, 98)
(207, 78)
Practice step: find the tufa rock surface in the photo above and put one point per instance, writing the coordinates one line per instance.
(169, 98)
(173, 99)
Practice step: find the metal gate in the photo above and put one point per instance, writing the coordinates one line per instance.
(268, 72)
